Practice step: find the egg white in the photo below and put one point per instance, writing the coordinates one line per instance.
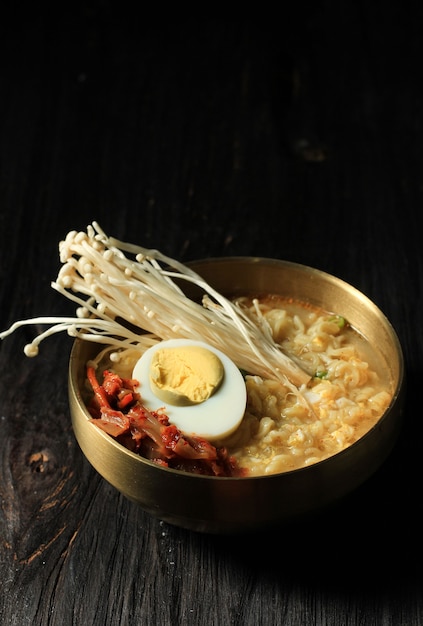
(215, 418)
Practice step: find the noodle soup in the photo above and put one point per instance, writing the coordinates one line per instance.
(348, 391)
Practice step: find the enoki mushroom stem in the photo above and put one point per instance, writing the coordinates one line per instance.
(120, 287)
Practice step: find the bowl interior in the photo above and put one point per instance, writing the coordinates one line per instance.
(211, 504)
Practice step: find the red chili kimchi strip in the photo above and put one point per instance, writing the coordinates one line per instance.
(116, 407)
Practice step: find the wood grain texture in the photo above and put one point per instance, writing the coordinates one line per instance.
(297, 138)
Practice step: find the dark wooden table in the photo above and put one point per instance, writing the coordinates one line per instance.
(298, 137)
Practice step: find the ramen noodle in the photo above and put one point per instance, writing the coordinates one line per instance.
(348, 392)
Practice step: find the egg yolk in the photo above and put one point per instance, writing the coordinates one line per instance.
(185, 375)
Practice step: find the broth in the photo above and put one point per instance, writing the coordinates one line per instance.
(349, 390)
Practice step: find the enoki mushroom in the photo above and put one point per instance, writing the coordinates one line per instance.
(127, 297)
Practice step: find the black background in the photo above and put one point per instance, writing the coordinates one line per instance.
(299, 137)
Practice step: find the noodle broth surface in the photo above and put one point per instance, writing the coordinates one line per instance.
(349, 390)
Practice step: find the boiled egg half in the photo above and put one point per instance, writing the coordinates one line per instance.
(197, 386)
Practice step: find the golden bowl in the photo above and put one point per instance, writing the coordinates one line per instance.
(228, 505)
